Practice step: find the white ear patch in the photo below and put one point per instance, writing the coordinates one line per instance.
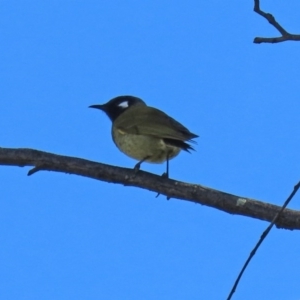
(123, 104)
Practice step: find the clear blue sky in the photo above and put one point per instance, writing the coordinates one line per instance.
(68, 237)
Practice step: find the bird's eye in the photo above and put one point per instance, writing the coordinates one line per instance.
(123, 104)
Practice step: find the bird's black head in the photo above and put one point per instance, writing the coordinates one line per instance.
(116, 106)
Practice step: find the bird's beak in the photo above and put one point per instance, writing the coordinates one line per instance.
(99, 106)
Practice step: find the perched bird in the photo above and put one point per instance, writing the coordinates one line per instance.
(145, 133)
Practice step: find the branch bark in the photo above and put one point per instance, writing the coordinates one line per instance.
(285, 36)
(43, 161)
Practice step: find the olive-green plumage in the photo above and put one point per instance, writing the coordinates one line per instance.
(144, 120)
(145, 133)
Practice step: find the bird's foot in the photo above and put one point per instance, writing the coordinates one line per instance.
(137, 167)
(164, 175)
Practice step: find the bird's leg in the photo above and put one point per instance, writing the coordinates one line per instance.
(166, 174)
(138, 165)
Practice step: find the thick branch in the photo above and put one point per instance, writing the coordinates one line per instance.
(285, 36)
(290, 219)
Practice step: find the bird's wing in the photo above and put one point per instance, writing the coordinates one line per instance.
(151, 121)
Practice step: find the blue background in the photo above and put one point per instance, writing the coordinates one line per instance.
(68, 237)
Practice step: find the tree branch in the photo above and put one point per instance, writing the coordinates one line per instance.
(289, 219)
(285, 36)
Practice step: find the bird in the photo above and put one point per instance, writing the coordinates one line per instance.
(145, 133)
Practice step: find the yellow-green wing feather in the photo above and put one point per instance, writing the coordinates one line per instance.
(151, 121)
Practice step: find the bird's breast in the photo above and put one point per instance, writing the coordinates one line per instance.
(141, 146)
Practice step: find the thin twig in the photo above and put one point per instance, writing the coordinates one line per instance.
(263, 236)
(285, 36)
